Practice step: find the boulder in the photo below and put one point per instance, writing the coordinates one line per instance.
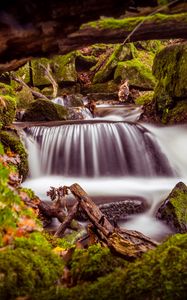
(170, 93)
(173, 211)
(45, 110)
(137, 72)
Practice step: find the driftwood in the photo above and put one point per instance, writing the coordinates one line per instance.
(126, 243)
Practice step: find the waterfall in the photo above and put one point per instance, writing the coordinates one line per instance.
(111, 161)
(100, 150)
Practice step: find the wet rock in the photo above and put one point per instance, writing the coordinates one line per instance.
(120, 210)
(173, 211)
(170, 93)
(44, 110)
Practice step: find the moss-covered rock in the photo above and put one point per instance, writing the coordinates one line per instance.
(64, 67)
(24, 98)
(7, 109)
(38, 72)
(171, 90)
(108, 64)
(29, 267)
(12, 141)
(88, 265)
(45, 110)
(176, 115)
(6, 89)
(137, 72)
(158, 274)
(23, 72)
(107, 87)
(144, 98)
(173, 211)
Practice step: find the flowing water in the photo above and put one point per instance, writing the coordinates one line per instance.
(111, 159)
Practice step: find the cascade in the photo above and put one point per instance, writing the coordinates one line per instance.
(111, 160)
(100, 149)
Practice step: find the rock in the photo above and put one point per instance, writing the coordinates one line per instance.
(38, 73)
(44, 110)
(173, 211)
(170, 93)
(107, 87)
(144, 98)
(137, 72)
(64, 68)
(11, 140)
(107, 64)
(7, 105)
(120, 210)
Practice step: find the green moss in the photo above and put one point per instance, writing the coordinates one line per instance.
(64, 67)
(158, 274)
(88, 265)
(7, 110)
(29, 267)
(38, 72)
(24, 98)
(128, 24)
(12, 141)
(107, 65)
(169, 69)
(107, 87)
(173, 210)
(144, 99)
(137, 72)
(6, 89)
(45, 110)
(23, 72)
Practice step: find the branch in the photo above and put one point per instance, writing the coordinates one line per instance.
(48, 75)
(34, 93)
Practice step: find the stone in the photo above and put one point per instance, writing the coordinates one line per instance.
(173, 211)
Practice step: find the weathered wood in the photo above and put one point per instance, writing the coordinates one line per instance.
(49, 76)
(126, 243)
(67, 221)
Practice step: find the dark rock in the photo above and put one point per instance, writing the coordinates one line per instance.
(173, 211)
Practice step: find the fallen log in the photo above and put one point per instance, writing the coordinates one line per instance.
(126, 243)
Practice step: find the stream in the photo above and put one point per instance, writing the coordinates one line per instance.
(112, 157)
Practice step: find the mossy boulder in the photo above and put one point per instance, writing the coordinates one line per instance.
(84, 62)
(38, 72)
(45, 110)
(158, 274)
(64, 67)
(7, 110)
(107, 64)
(137, 72)
(24, 98)
(6, 89)
(23, 72)
(169, 69)
(29, 267)
(107, 87)
(144, 98)
(173, 211)
(97, 261)
(11, 140)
